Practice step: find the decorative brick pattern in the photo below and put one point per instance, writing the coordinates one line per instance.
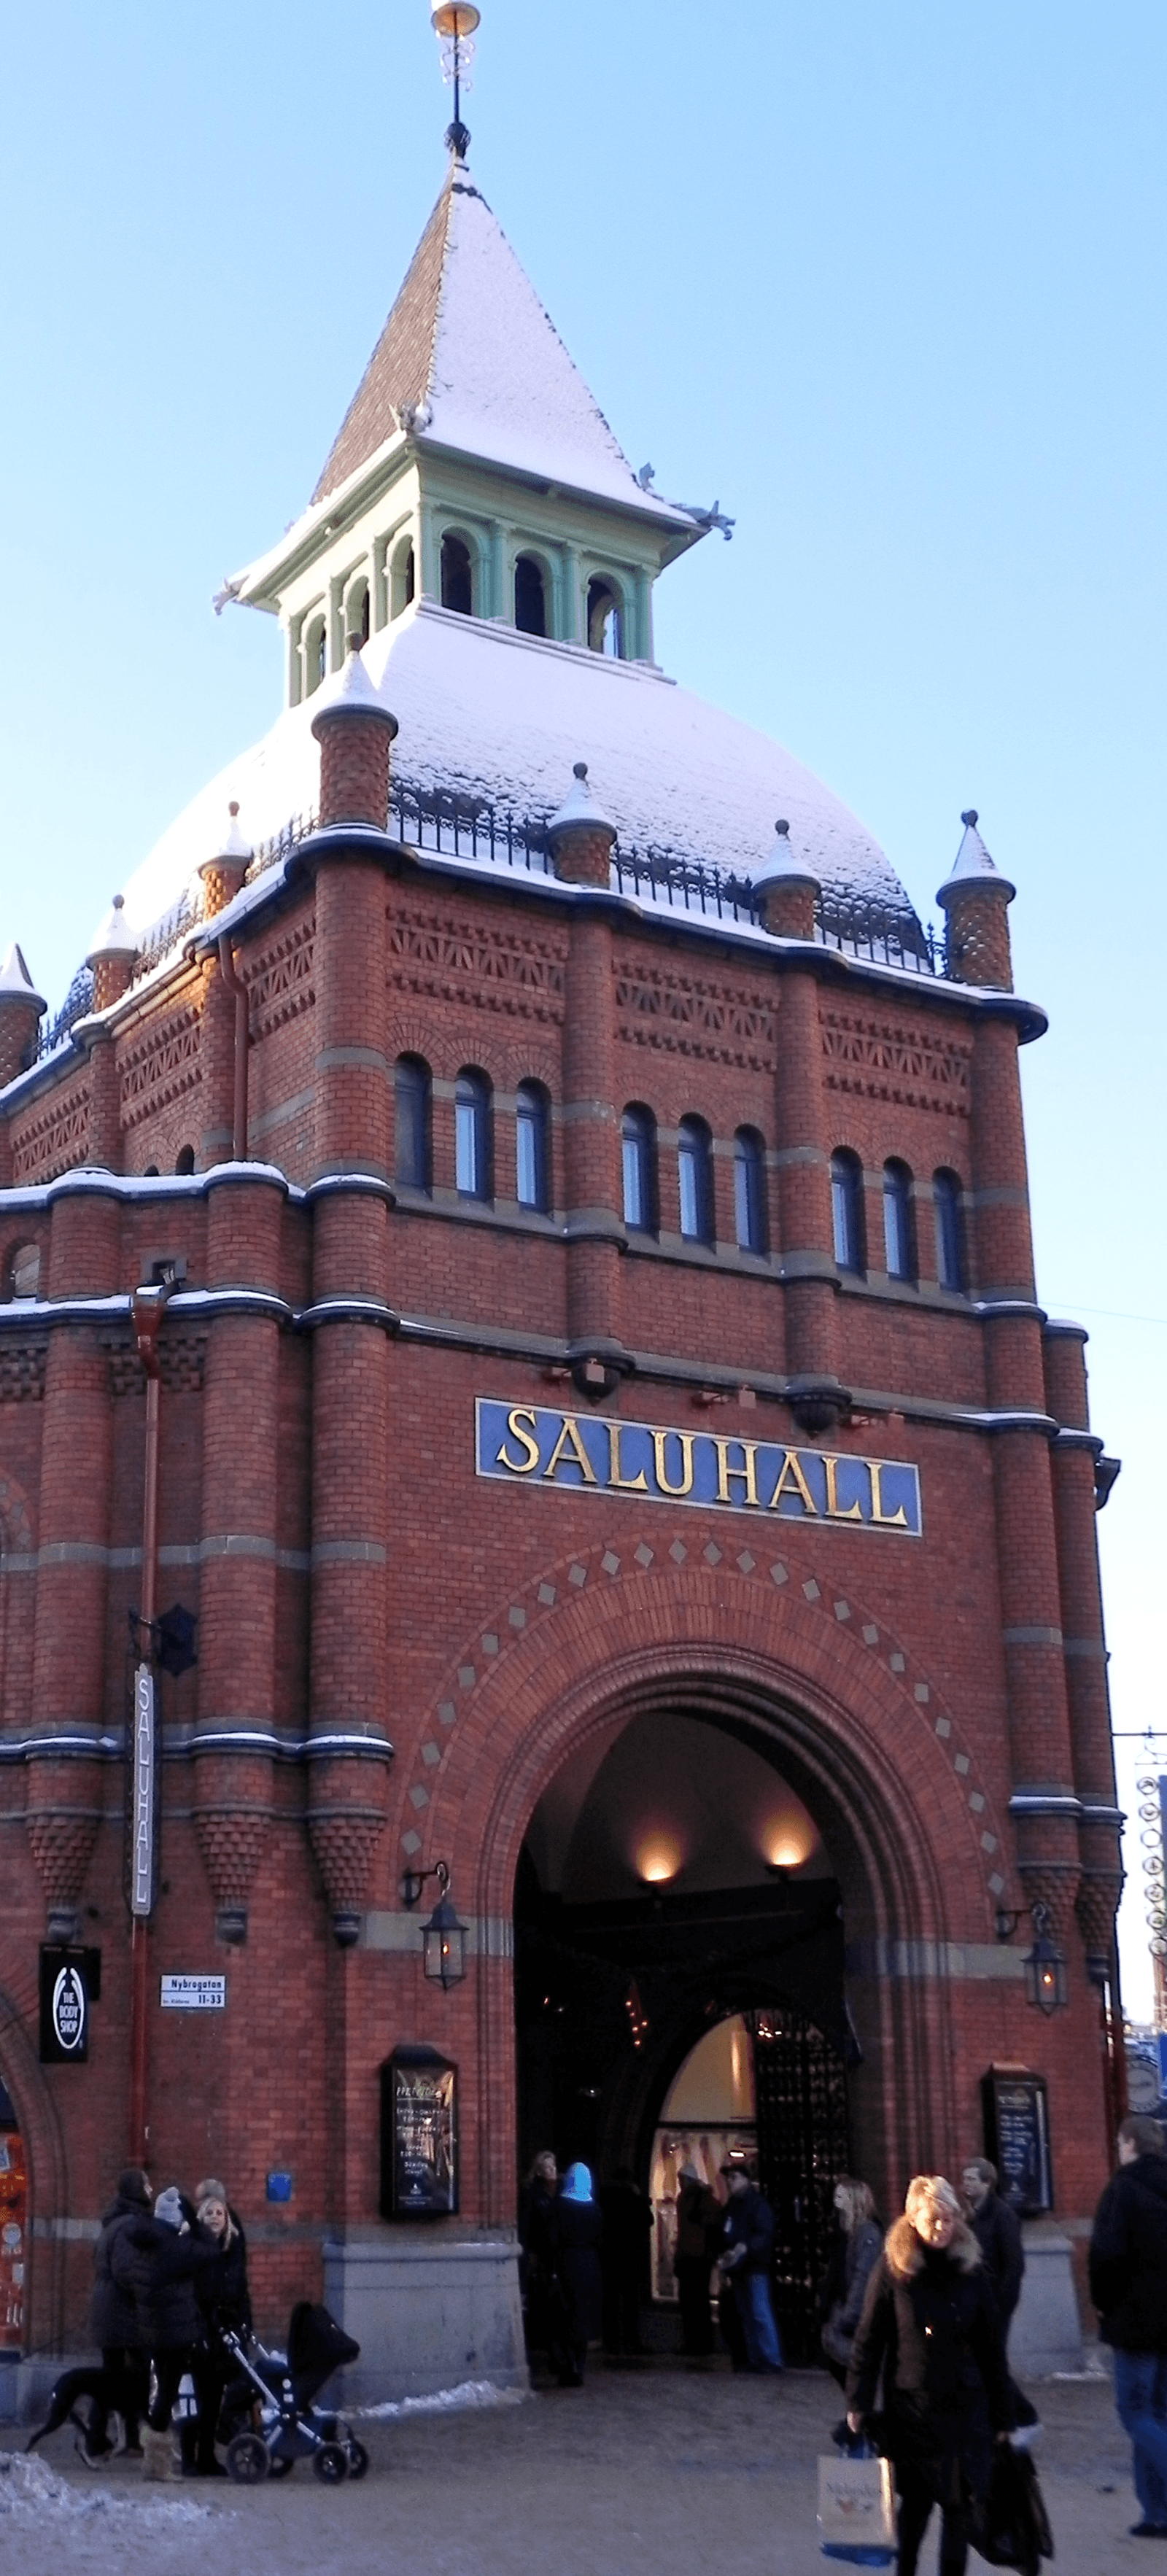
(878, 1058)
(280, 981)
(160, 1067)
(493, 970)
(54, 1139)
(22, 1371)
(231, 1840)
(693, 1015)
(61, 1840)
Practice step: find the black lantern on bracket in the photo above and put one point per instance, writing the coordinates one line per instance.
(443, 1942)
(1045, 1966)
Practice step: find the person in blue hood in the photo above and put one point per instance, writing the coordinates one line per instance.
(579, 2235)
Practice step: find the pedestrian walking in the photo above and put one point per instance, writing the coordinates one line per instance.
(223, 2301)
(627, 2219)
(579, 2236)
(931, 2330)
(538, 2244)
(862, 2244)
(113, 2324)
(748, 2248)
(1128, 2284)
(154, 2262)
(997, 2230)
(700, 2219)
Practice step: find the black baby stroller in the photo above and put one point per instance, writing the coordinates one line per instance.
(280, 2391)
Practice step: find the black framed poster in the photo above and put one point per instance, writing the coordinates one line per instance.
(1017, 2141)
(419, 2134)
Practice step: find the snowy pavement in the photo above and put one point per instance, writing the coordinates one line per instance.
(659, 2472)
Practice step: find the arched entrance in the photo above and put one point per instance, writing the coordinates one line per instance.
(673, 1883)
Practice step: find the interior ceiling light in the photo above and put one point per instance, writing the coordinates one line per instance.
(658, 1856)
(786, 1846)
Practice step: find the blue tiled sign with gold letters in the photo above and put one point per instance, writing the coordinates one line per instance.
(538, 1445)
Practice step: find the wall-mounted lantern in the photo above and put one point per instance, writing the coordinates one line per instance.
(1045, 1964)
(443, 1943)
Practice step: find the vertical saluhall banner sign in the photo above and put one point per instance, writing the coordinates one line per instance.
(142, 1871)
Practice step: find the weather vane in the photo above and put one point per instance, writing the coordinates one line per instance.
(454, 22)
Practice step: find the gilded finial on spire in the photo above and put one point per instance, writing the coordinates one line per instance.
(454, 22)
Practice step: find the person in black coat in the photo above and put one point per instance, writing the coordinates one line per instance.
(1128, 2284)
(997, 2230)
(932, 2328)
(861, 2241)
(699, 2222)
(627, 2219)
(114, 2325)
(538, 2241)
(579, 2236)
(223, 2299)
(154, 2262)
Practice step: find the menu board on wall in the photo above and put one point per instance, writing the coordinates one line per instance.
(1017, 2140)
(419, 2134)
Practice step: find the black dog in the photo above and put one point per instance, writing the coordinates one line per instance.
(70, 2388)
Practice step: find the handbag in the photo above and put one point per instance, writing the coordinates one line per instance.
(1011, 2527)
(856, 2514)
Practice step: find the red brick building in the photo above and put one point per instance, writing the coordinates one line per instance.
(606, 1430)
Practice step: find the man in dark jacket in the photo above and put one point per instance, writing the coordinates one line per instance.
(748, 2240)
(997, 2230)
(1128, 2284)
(113, 2323)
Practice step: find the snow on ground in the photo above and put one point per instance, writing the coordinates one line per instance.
(31, 2493)
(447, 2401)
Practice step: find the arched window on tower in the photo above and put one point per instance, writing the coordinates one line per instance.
(411, 1108)
(749, 1190)
(472, 1135)
(23, 1271)
(315, 653)
(401, 577)
(605, 619)
(949, 1246)
(695, 1180)
(847, 1209)
(530, 597)
(532, 1159)
(897, 1221)
(457, 576)
(638, 1150)
(184, 1161)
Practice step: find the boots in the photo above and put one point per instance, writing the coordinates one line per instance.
(158, 2461)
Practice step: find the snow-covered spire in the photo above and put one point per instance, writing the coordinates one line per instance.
(579, 808)
(113, 936)
(972, 863)
(782, 863)
(350, 692)
(233, 846)
(16, 983)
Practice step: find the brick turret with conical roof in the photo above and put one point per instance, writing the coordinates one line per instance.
(976, 899)
(20, 1010)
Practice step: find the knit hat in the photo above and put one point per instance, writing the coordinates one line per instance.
(577, 2183)
(168, 2207)
(211, 2190)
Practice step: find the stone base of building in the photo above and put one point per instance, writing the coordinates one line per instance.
(1046, 2333)
(428, 2311)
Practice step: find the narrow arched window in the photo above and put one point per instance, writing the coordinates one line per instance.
(457, 576)
(184, 1161)
(605, 620)
(401, 578)
(949, 1249)
(23, 1271)
(847, 1209)
(897, 1221)
(749, 1190)
(530, 597)
(532, 1160)
(472, 1135)
(315, 655)
(638, 1148)
(151, 1172)
(695, 1179)
(412, 1092)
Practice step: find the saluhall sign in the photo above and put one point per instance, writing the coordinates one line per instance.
(539, 1445)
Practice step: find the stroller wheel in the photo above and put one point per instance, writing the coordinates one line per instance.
(247, 2460)
(329, 2464)
(358, 2457)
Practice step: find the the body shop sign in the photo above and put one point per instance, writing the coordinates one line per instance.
(67, 1982)
(539, 1447)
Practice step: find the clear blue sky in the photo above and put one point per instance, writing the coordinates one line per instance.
(886, 280)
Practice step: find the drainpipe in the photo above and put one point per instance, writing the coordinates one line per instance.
(149, 1305)
(234, 985)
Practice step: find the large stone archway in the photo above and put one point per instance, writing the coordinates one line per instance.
(792, 1665)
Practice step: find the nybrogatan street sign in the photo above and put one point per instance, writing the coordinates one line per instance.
(538, 1445)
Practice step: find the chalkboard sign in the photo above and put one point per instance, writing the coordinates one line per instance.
(1016, 2116)
(419, 2134)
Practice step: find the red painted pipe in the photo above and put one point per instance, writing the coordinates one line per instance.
(236, 986)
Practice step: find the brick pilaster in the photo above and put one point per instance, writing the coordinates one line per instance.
(803, 1146)
(1084, 1640)
(591, 1138)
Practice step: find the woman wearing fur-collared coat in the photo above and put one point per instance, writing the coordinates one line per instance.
(931, 2326)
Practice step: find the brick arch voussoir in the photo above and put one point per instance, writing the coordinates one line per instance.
(601, 1627)
(407, 1035)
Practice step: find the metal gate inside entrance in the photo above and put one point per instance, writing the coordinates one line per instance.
(804, 2144)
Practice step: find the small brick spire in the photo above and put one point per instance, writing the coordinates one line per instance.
(787, 887)
(581, 837)
(223, 875)
(354, 729)
(20, 1011)
(976, 900)
(111, 956)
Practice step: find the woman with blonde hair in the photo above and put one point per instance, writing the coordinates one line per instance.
(862, 2239)
(931, 2327)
